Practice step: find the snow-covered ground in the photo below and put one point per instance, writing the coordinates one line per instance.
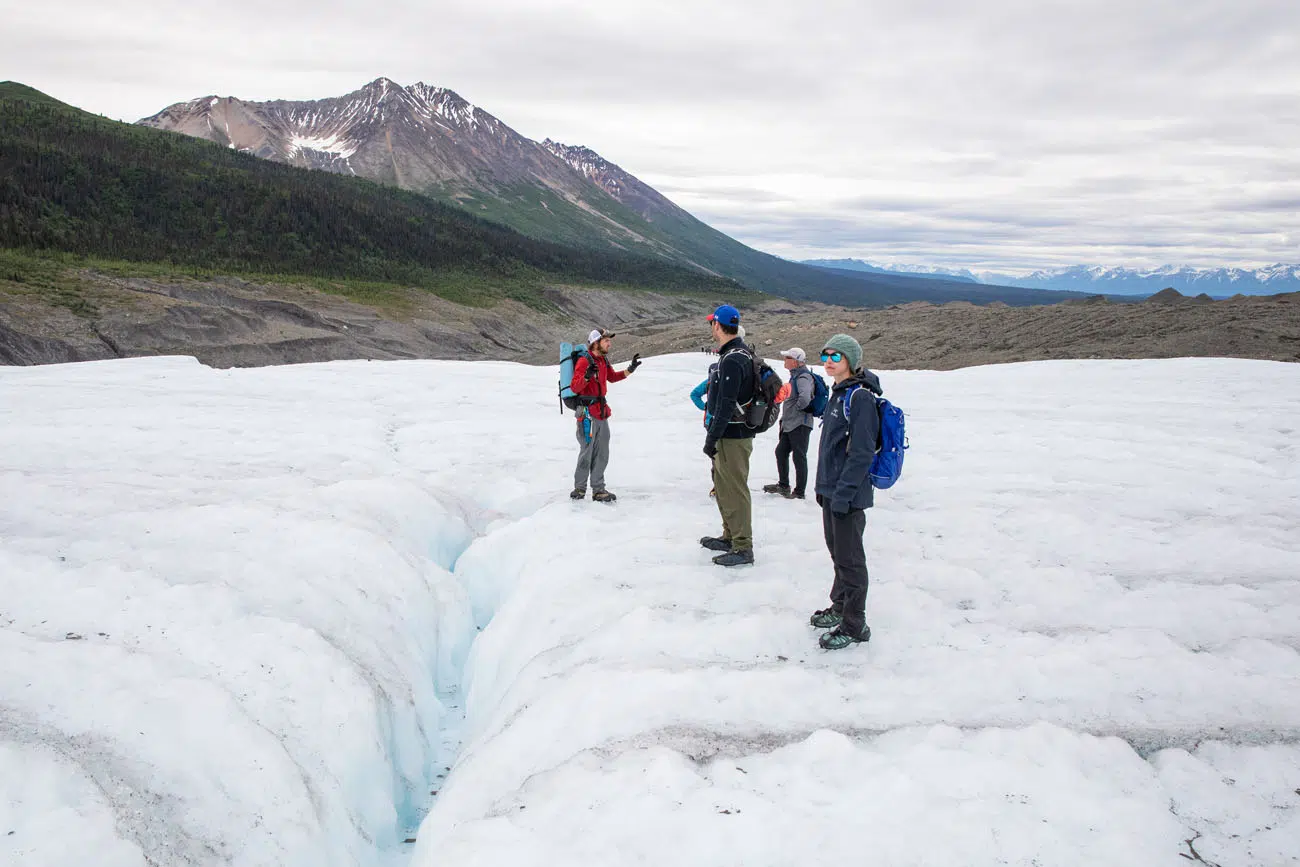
(240, 619)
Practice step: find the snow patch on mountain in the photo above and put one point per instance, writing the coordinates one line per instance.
(324, 144)
(593, 167)
(447, 104)
(582, 159)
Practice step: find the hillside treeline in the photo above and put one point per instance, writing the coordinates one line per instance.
(74, 182)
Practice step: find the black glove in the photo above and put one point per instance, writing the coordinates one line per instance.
(711, 448)
(636, 362)
(591, 371)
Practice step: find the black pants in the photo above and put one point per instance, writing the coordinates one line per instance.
(844, 541)
(794, 443)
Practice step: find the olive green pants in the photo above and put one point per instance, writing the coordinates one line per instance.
(731, 478)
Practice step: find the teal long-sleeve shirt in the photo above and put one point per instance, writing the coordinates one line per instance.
(697, 395)
(697, 398)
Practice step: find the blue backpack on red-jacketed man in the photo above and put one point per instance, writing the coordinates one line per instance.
(887, 465)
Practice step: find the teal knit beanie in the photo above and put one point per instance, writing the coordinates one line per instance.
(851, 348)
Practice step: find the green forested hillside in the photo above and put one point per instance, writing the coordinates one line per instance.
(77, 183)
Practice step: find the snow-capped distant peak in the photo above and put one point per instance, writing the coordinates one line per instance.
(1111, 279)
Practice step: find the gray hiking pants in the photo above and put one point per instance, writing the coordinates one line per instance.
(593, 454)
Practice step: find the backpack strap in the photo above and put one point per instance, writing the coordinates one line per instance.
(585, 400)
(744, 350)
(848, 400)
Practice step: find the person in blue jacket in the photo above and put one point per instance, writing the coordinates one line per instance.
(698, 397)
(850, 431)
(698, 393)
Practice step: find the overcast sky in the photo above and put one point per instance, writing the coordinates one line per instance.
(999, 134)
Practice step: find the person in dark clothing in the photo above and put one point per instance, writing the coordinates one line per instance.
(591, 383)
(850, 432)
(796, 428)
(728, 441)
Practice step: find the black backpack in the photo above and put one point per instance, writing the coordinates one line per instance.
(761, 411)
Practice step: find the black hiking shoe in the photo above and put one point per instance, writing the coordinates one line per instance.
(837, 638)
(577, 493)
(736, 558)
(827, 618)
(783, 490)
(795, 495)
(716, 543)
(603, 497)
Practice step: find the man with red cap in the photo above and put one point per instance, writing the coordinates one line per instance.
(728, 441)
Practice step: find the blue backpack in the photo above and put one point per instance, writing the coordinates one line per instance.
(821, 396)
(569, 355)
(887, 465)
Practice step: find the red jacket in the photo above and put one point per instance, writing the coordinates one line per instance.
(597, 386)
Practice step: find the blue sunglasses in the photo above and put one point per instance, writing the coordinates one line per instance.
(833, 356)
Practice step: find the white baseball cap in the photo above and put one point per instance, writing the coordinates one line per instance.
(796, 353)
(597, 334)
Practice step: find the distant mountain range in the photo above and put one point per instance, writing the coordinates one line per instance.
(432, 141)
(1104, 280)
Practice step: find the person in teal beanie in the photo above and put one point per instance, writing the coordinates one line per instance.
(850, 431)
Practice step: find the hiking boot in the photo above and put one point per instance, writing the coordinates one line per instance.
(577, 493)
(837, 638)
(603, 497)
(827, 618)
(794, 495)
(736, 558)
(716, 543)
(713, 492)
(783, 490)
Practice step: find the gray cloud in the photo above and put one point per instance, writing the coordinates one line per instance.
(1004, 134)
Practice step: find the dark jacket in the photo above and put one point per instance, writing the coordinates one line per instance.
(597, 386)
(848, 447)
(730, 386)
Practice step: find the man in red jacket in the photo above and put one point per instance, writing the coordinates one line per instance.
(591, 377)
